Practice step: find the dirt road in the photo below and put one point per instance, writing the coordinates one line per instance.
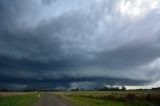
(50, 100)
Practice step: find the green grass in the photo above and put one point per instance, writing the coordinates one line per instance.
(21, 100)
(112, 98)
(83, 101)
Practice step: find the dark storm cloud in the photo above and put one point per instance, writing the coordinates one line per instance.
(66, 82)
(128, 57)
(58, 44)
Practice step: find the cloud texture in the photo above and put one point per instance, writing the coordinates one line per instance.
(45, 43)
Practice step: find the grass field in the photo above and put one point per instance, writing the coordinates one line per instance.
(112, 98)
(88, 98)
(19, 100)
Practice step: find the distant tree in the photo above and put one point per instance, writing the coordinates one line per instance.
(104, 89)
(4, 90)
(158, 88)
(123, 88)
(115, 89)
(109, 89)
(76, 89)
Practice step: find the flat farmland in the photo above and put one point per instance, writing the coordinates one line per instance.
(111, 98)
(81, 98)
(18, 98)
(14, 93)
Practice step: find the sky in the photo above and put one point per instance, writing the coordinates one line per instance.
(61, 44)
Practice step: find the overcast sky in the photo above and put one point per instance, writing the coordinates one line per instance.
(79, 43)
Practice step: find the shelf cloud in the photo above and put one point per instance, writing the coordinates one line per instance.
(59, 44)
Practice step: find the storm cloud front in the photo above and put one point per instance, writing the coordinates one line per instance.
(79, 43)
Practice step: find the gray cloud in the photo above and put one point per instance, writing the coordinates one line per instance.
(92, 39)
(48, 1)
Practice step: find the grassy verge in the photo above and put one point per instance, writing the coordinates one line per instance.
(112, 98)
(21, 100)
(83, 101)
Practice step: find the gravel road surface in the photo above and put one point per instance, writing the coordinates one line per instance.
(50, 100)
